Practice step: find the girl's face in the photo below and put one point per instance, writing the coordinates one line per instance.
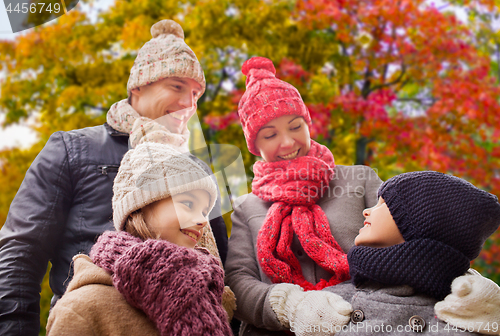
(283, 138)
(380, 230)
(180, 219)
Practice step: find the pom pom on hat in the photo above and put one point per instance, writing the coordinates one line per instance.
(165, 55)
(166, 27)
(258, 63)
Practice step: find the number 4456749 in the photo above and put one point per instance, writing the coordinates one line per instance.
(32, 8)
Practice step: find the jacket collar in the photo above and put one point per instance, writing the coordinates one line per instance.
(111, 131)
(87, 273)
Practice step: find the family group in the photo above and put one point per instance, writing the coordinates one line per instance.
(131, 222)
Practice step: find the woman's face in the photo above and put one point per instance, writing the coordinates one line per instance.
(283, 138)
(180, 219)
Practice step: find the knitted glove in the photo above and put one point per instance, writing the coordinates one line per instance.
(312, 313)
(179, 289)
(473, 305)
(229, 302)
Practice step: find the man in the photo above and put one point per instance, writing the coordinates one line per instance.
(64, 202)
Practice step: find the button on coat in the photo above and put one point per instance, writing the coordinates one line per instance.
(357, 316)
(417, 323)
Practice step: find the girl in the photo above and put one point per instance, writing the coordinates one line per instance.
(150, 277)
(304, 211)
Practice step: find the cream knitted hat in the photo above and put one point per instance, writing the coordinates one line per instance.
(165, 55)
(152, 172)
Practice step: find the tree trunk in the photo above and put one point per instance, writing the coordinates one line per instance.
(361, 150)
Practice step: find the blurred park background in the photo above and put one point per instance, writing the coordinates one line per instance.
(399, 85)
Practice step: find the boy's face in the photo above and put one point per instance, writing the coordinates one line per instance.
(380, 230)
(173, 99)
(180, 219)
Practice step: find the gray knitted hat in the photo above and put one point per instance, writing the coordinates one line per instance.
(152, 172)
(165, 55)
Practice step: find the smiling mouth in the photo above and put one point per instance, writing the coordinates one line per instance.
(290, 156)
(175, 116)
(365, 226)
(191, 234)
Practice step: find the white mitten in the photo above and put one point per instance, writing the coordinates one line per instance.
(313, 313)
(473, 305)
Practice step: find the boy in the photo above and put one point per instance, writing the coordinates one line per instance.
(423, 233)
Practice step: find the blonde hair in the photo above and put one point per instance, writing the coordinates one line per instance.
(137, 227)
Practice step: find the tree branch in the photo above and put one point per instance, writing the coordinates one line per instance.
(396, 81)
(365, 90)
(219, 85)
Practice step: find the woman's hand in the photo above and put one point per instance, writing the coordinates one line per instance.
(309, 313)
(474, 304)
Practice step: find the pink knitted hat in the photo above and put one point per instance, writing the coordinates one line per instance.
(265, 99)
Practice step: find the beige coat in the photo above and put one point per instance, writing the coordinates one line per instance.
(92, 306)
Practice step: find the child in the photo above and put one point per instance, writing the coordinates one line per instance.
(150, 277)
(423, 233)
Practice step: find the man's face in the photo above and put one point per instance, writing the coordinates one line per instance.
(173, 98)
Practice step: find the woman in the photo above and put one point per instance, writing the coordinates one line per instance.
(301, 218)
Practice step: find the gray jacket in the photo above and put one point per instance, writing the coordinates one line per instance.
(389, 310)
(353, 189)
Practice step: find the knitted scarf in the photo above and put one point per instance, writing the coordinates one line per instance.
(123, 118)
(295, 186)
(427, 265)
(179, 289)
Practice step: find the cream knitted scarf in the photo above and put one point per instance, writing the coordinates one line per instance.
(123, 118)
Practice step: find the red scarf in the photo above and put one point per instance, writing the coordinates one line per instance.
(295, 186)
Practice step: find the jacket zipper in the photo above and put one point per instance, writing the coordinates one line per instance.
(105, 169)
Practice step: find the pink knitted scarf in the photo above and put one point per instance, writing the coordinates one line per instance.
(295, 186)
(178, 288)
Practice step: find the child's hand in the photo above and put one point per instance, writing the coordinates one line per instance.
(302, 312)
(474, 305)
